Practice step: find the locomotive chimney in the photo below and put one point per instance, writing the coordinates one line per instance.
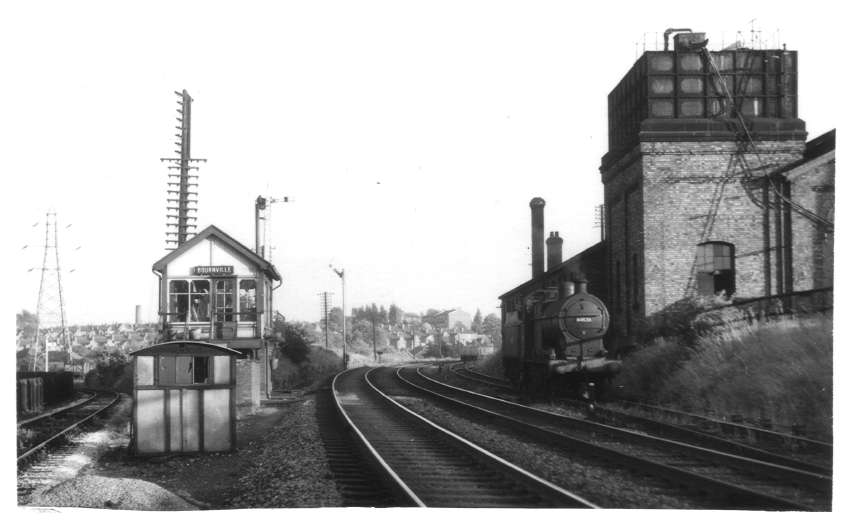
(581, 286)
(537, 238)
(555, 249)
(566, 289)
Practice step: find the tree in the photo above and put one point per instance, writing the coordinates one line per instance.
(492, 327)
(25, 323)
(459, 327)
(477, 325)
(335, 319)
(396, 315)
(295, 345)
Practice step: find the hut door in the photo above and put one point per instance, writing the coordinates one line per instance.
(224, 310)
(183, 420)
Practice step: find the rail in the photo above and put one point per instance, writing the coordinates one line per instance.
(68, 429)
(546, 426)
(436, 466)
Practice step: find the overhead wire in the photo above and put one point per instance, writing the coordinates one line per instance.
(745, 135)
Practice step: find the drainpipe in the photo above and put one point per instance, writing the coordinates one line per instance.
(267, 364)
(159, 300)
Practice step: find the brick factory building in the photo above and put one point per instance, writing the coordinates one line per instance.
(709, 188)
(709, 185)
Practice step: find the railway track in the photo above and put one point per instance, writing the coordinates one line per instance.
(38, 433)
(359, 484)
(742, 482)
(768, 446)
(471, 375)
(429, 466)
(806, 448)
(48, 444)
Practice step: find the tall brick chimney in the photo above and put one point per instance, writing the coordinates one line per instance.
(537, 238)
(554, 245)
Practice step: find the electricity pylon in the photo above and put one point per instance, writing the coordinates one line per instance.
(50, 310)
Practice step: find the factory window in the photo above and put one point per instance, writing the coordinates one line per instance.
(180, 370)
(188, 300)
(715, 268)
(247, 300)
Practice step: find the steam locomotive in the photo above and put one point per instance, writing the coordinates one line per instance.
(553, 330)
(553, 342)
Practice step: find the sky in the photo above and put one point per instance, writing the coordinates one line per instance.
(409, 137)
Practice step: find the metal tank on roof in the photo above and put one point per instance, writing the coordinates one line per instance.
(689, 92)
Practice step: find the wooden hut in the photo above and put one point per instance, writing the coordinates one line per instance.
(184, 398)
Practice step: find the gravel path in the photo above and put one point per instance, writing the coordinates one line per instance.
(117, 493)
(280, 462)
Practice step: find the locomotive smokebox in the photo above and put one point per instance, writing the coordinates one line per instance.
(537, 238)
(555, 249)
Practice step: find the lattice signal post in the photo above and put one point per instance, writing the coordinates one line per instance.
(50, 310)
(182, 184)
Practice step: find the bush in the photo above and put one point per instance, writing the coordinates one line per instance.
(781, 371)
(491, 364)
(685, 319)
(316, 366)
(112, 372)
(295, 344)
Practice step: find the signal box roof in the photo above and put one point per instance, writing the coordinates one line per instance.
(186, 348)
(213, 231)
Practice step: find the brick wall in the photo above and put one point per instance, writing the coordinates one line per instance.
(248, 379)
(812, 186)
(624, 200)
(663, 200)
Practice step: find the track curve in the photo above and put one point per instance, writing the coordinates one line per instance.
(433, 466)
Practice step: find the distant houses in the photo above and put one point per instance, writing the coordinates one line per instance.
(88, 343)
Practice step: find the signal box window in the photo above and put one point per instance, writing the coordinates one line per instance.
(188, 300)
(715, 268)
(247, 300)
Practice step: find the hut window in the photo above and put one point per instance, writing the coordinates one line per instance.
(183, 370)
(247, 300)
(201, 367)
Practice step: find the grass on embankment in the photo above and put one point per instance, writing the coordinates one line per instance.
(780, 371)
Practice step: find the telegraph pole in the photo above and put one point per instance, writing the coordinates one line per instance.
(373, 335)
(325, 309)
(182, 183)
